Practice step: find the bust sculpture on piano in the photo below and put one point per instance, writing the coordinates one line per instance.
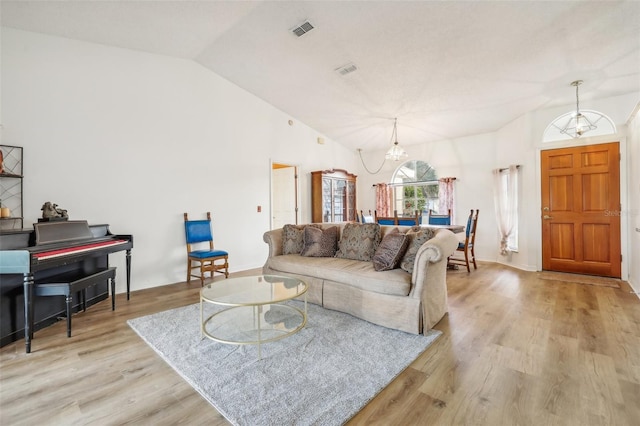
(51, 211)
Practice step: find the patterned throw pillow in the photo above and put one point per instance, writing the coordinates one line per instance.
(390, 251)
(359, 241)
(292, 238)
(320, 243)
(417, 239)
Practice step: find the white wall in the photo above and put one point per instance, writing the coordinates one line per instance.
(134, 140)
(633, 212)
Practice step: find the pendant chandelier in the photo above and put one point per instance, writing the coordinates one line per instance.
(395, 153)
(576, 123)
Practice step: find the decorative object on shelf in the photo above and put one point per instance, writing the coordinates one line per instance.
(395, 153)
(50, 211)
(576, 123)
(4, 211)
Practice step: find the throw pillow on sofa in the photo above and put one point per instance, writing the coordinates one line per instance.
(319, 242)
(390, 251)
(416, 239)
(293, 238)
(359, 241)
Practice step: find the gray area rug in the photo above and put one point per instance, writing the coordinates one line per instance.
(323, 375)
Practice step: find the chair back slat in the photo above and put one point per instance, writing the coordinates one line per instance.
(386, 220)
(472, 223)
(439, 219)
(411, 221)
(366, 218)
(467, 229)
(198, 231)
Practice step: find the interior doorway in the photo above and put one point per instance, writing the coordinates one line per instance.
(284, 195)
(581, 210)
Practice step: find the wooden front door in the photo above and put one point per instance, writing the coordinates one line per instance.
(581, 210)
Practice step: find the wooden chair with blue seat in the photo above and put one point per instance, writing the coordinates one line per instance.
(198, 233)
(366, 218)
(386, 220)
(439, 219)
(414, 220)
(467, 247)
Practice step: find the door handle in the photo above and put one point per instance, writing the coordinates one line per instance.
(547, 217)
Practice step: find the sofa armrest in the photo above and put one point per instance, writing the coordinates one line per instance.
(429, 278)
(273, 238)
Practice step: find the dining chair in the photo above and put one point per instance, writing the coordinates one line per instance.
(439, 219)
(198, 233)
(366, 218)
(468, 246)
(386, 220)
(411, 221)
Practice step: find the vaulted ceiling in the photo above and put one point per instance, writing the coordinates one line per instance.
(445, 69)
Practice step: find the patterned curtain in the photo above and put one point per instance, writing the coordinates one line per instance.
(445, 196)
(384, 199)
(505, 192)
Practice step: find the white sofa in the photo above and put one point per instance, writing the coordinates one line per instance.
(412, 302)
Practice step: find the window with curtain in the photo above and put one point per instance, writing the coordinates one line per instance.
(415, 188)
(506, 203)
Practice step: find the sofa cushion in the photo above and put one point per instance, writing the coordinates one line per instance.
(320, 242)
(416, 239)
(293, 238)
(359, 241)
(354, 273)
(390, 251)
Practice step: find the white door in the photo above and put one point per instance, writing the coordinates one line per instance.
(284, 196)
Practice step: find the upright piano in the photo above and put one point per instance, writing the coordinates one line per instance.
(58, 248)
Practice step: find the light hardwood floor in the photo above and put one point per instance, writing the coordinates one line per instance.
(516, 350)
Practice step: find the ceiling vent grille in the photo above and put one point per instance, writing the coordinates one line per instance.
(346, 69)
(302, 29)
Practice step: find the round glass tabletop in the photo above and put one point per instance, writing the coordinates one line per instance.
(253, 290)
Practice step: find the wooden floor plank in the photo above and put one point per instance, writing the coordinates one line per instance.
(515, 349)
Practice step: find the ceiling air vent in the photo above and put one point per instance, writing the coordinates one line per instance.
(346, 69)
(302, 29)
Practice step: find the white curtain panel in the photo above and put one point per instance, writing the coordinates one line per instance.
(505, 192)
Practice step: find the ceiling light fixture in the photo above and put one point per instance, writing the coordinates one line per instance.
(578, 123)
(395, 153)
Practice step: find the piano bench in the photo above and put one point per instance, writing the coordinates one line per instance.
(69, 284)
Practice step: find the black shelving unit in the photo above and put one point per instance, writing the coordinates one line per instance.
(11, 177)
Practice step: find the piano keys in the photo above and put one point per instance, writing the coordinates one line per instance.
(64, 248)
(47, 255)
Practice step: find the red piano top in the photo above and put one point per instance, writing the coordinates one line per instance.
(77, 249)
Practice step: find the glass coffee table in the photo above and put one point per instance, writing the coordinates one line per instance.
(255, 312)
